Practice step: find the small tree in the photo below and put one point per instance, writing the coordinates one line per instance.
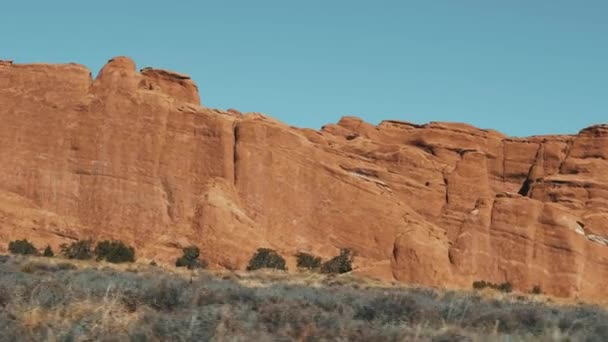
(114, 251)
(22, 247)
(190, 258)
(266, 258)
(80, 250)
(308, 261)
(339, 264)
(48, 252)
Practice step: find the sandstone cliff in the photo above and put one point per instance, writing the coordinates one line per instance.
(134, 156)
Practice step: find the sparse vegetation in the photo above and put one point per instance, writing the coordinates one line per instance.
(114, 251)
(80, 250)
(56, 299)
(480, 284)
(190, 258)
(536, 290)
(23, 247)
(48, 252)
(339, 264)
(266, 258)
(502, 287)
(308, 261)
(505, 287)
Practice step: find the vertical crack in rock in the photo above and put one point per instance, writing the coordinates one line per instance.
(445, 181)
(451, 256)
(170, 199)
(235, 136)
(525, 187)
(491, 221)
(566, 154)
(504, 161)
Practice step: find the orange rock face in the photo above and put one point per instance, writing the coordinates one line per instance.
(133, 156)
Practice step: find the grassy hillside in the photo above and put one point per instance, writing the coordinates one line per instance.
(60, 300)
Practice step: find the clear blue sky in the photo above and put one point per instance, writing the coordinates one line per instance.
(520, 66)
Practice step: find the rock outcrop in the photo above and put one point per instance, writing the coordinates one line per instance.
(133, 156)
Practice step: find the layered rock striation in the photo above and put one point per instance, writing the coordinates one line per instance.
(134, 156)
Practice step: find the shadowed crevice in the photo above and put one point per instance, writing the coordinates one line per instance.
(235, 136)
(525, 187)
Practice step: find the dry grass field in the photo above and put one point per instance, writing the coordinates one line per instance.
(55, 299)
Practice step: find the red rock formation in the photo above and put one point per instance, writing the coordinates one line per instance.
(133, 156)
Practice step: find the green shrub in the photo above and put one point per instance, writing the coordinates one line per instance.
(503, 287)
(266, 258)
(80, 250)
(480, 284)
(48, 252)
(308, 261)
(114, 251)
(339, 264)
(190, 259)
(22, 247)
(536, 290)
